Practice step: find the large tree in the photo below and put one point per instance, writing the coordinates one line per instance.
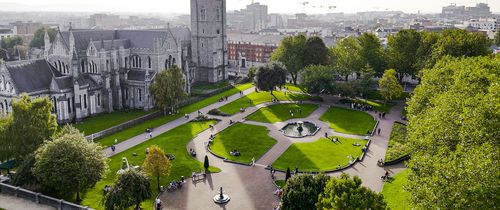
(168, 89)
(70, 163)
(458, 43)
(30, 123)
(402, 52)
(346, 193)
(371, 50)
(291, 54)
(316, 52)
(454, 116)
(156, 163)
(301, 192)
(271, 76)
(11, 42)
(318, 79)
(38, 40)
(425, 49)
(389, 85)
(131, 188)
(347, 57)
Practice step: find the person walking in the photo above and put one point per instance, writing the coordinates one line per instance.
(379, 131)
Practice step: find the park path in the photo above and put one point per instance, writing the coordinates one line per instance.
(12, 203)
(125, 145)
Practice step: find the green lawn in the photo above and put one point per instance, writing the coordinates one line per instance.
(141, 128)
(250, 140)
(260, 97)
(294, 88)
(281, 112)
(172, 142)
(107, 120)
(349, 121)
(394, 194)
(320, 155)
(398, 143)
(202, 88)
(280, 183)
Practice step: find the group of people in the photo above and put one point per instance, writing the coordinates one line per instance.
(361, 107)
(224, 98)
(175, 185)
(292, 113)
(192, 152)
(333, 139)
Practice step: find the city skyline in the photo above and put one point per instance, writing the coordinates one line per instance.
(275, 6)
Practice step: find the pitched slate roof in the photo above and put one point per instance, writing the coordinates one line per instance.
(32, 76)
(136, 75)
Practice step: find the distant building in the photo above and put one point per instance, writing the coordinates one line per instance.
(454, 11)
(6, 33)
(247, 50)
(275, 21)
(489, 24)
(101, 21)
(251, 19)
(26, 28)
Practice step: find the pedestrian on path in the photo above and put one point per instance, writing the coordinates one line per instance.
(379, 131)
(379, 115)
(326, 135)
(253, 161)
(150, 134)
(113, 148)
(383, 115)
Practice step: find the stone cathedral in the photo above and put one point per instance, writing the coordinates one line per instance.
(87, 72)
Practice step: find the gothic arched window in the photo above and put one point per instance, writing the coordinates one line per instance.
(203, 13)
(149, 62)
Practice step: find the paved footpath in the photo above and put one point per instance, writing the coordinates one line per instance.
(12, 203)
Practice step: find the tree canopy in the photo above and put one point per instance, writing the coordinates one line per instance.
(458, 43)
(301, 192)
(55, 166)
(454, 116)
(347, 57)
(315, 52)
(346, 193)
(389, 85)
(131, 188)
(11, 42)
(168, 89)
(270, 76)
(318, 79)
(156, 163)
(38, 40)
(291, 54)
(29, 125)
(402, 52)
(371, 50)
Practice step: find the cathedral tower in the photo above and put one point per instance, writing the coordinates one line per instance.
(208, 39)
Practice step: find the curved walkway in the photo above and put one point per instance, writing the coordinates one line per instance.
(251, 187)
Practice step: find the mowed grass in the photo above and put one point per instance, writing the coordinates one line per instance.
(172, 142)
(349, 121)
(141, 128)
(250, 140)
(260, 97)
(398, 143)
(295, 88)
(377, 105)
(281, 112)
(202, 88)
(104, 121)
(280, 183)
(394, 194)
(320, 155)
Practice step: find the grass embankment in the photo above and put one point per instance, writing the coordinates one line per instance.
(141, 128)
(398, 143)
(349, 121)
(260, 97)
(250, 140)
(321, 155)
(281, 112)
(104, 121)
(172, 142)
(394, 194)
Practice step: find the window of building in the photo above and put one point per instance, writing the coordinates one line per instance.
(149, 62)
(140, 94)
(217, 10)
(73, 102)
(85, 101)
(69, 105)
(203, 13)
(98, 99)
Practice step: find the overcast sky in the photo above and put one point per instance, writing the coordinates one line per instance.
(275, 6)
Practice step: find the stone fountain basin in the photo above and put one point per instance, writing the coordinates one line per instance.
(291, 129)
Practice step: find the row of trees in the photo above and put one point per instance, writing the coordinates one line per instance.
(323, 192)
(407, 52)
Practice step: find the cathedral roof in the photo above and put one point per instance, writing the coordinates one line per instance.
(33, 75)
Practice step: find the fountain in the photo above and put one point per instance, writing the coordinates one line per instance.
(300, 129)
(125, 166)
(221, 198)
